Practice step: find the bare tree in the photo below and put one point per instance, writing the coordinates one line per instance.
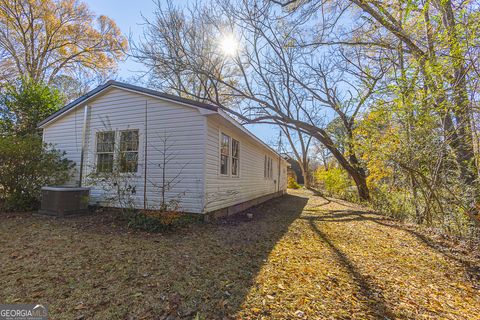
(167, 158)
(173, 41)
(270, 81)
(443, 61)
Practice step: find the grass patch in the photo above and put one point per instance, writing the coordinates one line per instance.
(302, 256)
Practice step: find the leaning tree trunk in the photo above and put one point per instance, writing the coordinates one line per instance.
(306, 175)
(361, 182)
(356, 172)
(353, 168)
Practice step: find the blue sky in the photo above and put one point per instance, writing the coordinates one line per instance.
(128, 16)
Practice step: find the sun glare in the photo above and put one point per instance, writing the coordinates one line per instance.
(229, 45)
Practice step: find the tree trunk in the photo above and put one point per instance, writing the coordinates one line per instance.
(463, 143)
(361, 183)
(306, 175)
(355, 171)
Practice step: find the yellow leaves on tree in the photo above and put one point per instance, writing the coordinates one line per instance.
(379, 139)
(44, 38)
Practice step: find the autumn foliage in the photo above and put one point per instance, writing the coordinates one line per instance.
(42, 39)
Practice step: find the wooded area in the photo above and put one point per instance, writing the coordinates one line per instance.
(389, 89)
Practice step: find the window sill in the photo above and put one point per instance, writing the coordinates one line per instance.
(227, 176)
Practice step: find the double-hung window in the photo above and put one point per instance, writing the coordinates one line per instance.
(229, 156)
(224, 153)
(128, 152)
(235, 158)
(105, 151)
(124, 158)
(268, 168)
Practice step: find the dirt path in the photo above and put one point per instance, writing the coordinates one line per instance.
(302, 256)
(338, 261)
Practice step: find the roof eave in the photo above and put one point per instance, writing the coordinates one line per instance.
(129, 87)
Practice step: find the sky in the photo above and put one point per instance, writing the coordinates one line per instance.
(128, 17)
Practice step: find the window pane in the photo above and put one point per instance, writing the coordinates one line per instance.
(235, 148)
(105, 162)
(270, 174)
(128, 161)
(224, 164)
(225, 146)
(129, 140)
(235, 157)
(265, 167)
(105, 141)
(234, 166)
(268, 167)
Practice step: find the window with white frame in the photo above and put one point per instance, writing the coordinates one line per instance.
(224, 153)
(105, 151)
(128, 153)
(124, 157)
(268, 168)
(265, 167)
(235, 158)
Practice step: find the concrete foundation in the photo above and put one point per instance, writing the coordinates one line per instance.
(229, 211)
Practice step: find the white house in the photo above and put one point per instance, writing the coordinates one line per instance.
(213, 164)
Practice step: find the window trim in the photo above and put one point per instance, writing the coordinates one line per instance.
(268, 167)
(119, 155)
(271, 168)
(235, 158)
(227, 174)
(116, 149)
(265, 167)
(231, 138)
(97, 153)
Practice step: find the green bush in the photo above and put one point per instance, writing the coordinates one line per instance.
(336, 182)
(25, 103)
(27, 164)
(292, 184)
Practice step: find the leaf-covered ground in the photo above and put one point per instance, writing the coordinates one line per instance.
(301, 257)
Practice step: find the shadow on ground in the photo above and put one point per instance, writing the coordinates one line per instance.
(82, 272)
(371, 296)
(472, 270)
(325, 259)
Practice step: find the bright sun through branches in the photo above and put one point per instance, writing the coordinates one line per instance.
(229, 45)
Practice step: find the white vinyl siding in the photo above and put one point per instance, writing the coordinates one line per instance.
(193, 137)
(223, 191)
(66, 135)
(120, 110)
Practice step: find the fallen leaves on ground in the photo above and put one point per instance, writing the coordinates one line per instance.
(300, 257)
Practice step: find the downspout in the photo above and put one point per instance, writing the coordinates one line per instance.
(145, 160)
(279, 160)
(84, 140)
(279, 167)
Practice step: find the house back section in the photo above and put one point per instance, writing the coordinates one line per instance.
(164, 151)
(239, 167)
(121, 125)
